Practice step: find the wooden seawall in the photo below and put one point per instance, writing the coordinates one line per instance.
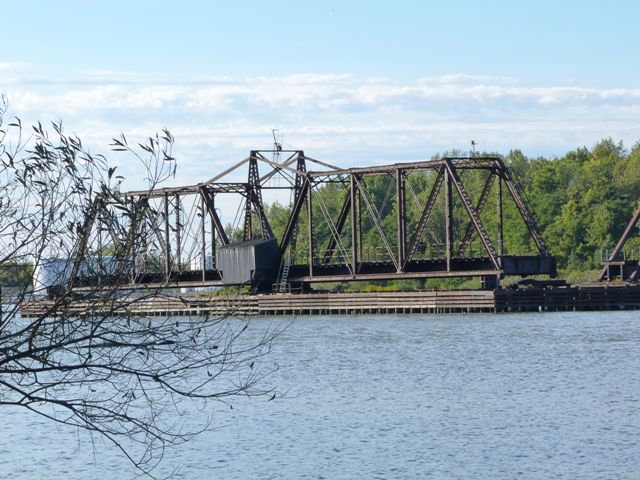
(575, 298)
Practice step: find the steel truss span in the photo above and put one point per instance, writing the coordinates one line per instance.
(619, 265)
(428, 219)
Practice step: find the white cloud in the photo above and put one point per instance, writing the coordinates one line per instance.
(13, 68)
(340, 118)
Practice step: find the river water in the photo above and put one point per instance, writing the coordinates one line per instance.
(528, 396)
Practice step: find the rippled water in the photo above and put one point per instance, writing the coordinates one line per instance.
(451, 397)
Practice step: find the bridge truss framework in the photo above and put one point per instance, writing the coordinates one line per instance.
(174, 236)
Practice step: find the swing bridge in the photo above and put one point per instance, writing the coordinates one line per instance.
(334, 228)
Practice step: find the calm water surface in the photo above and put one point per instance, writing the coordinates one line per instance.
(452, 397)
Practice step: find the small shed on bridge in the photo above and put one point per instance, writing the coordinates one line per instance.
(251, 261)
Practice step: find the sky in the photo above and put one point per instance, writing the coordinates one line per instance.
(351, 83)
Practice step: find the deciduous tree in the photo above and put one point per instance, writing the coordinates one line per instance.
(109, 371)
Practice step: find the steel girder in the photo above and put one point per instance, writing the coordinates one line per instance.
(164, 221)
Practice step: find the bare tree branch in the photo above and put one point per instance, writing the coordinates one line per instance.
(121, 376)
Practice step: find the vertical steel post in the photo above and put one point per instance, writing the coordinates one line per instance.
(133, 226)
(178, 259)
(301, 166)
(354, 224)
(250, 186)
(312, 245)
(214, 260)
(499, 216)
(100, 252)
(359, 231)
(143, 234)
(167, 248)
(203, 246)
(248, 225)
(402, 220)
(448, 215)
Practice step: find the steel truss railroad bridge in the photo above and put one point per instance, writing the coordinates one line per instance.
(174, 237)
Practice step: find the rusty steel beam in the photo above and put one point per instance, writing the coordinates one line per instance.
(203, 239)
(228, 171)
(359, 220)
(178, 257)
(81, 249)
(499, 217)
(293, 219)
(222, 187)
(394, 276)
(625, 235)
(401, 218)
(301, 166)
(155, 228)
(618, 248)
(424, 217)
(167, 241)
(319, 162)
(376, 218)
(134, 221)
(354, 225)
(214, 217)
(247, 232)
(448, 218)
(337, 228)
(253, 197)
(295, 157)
(466, 239)
(459, 162)
(466, 201)
(278, 166)
(310, 231)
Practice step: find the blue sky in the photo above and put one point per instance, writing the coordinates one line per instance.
(350, 82)
(590, 43)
